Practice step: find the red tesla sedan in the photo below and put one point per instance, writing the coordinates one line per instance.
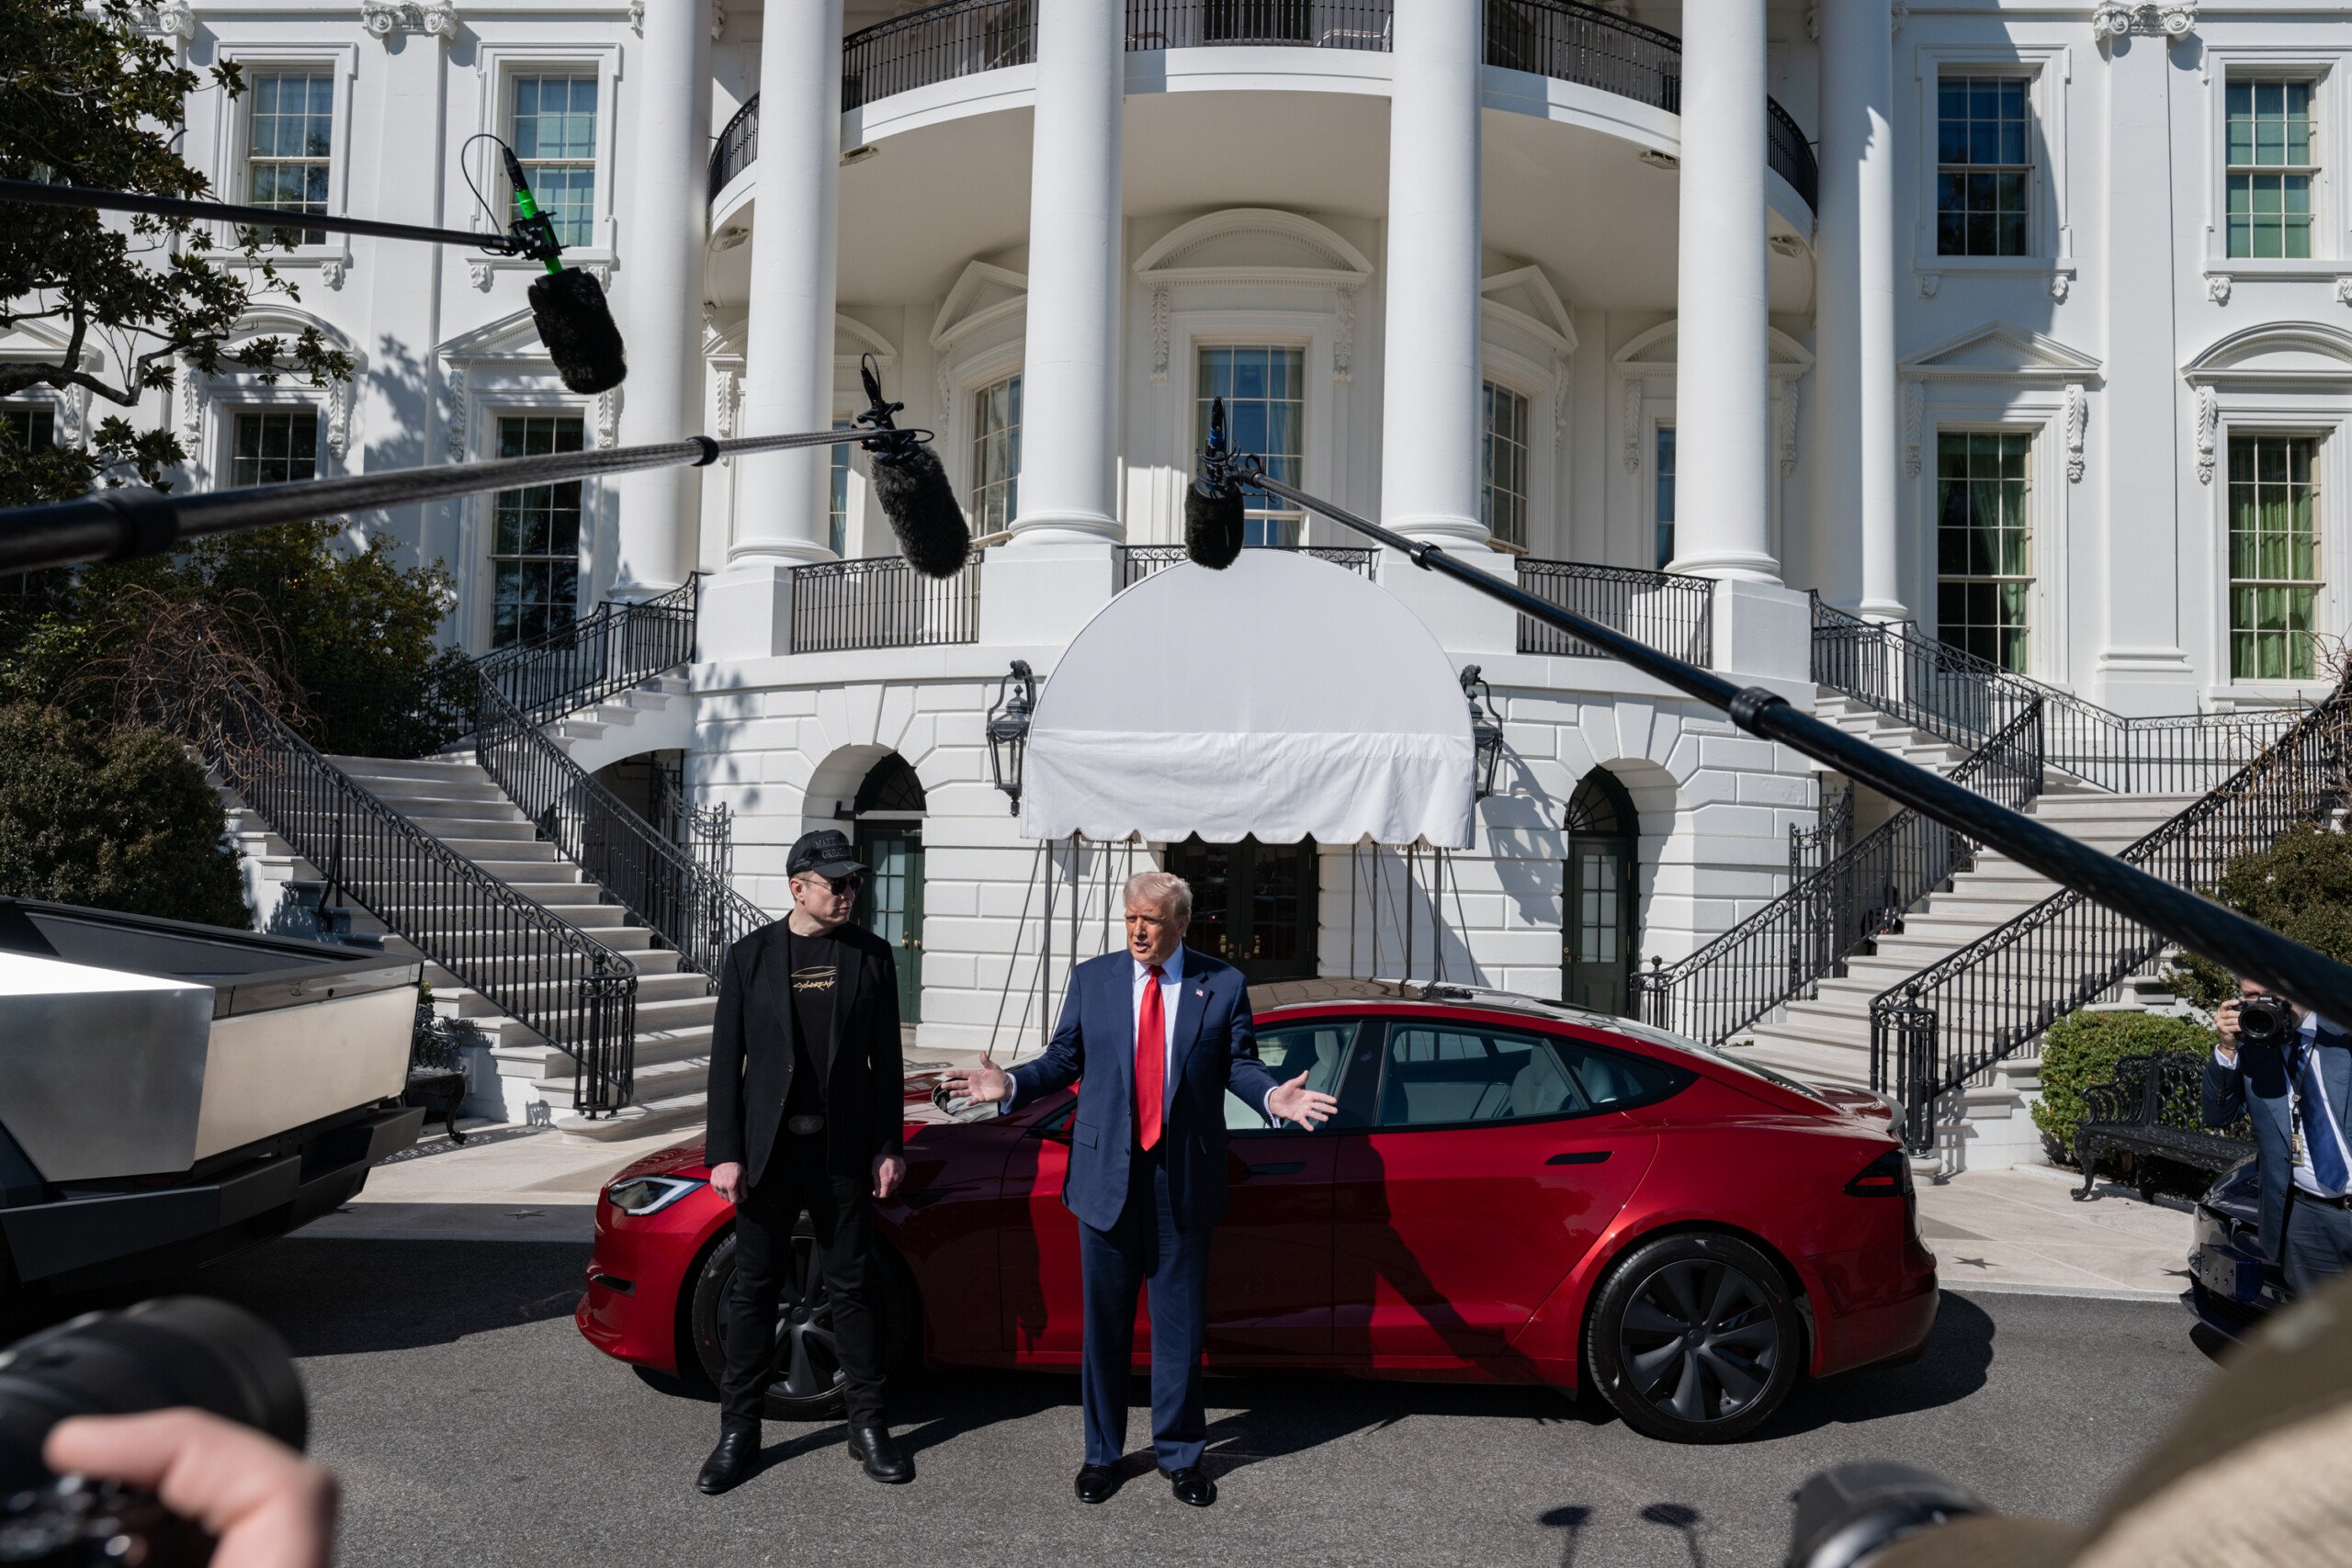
(1512, 1191)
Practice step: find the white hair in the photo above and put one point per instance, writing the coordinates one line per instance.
(1163, 890)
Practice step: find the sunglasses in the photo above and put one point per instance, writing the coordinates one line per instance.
(849, 884)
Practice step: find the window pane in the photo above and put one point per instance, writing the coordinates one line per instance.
(1665, 496)
(1445, 1074)
(1984, 149)
(1983, 543)
(1320, 1050)
(554, 133)
(535, 535)
(2274, 556)
(290, 144)
(1264, 391)
(1503, 498)
(996, 455)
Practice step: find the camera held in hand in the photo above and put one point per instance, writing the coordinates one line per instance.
(178, 1351)
(2267, 1021)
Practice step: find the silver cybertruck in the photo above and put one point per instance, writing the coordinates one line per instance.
(172, 1093)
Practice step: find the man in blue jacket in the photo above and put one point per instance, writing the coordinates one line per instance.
(1153, 1037)
(2299, 1096)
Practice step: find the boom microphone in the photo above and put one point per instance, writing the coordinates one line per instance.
(567, 304)
(1213, 510)
(912, 487)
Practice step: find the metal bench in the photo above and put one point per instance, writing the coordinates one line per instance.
(2152, 1108)
(437, 1071)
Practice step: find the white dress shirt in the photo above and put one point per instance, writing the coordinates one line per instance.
(1172, 992)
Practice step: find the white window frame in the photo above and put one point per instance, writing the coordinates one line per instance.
(973, 374)
(1529, 401)
(1259, 500)
(232, 132)
(497, 386)
(1313, 334)
(253, 398)
(505, 404)
(2252, 412)
(497, 68)
(2332, 256)
(1930, 612)
(2049, 247)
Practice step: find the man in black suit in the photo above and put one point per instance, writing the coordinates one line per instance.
(805, 1107)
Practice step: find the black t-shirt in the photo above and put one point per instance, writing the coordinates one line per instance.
(821, 969)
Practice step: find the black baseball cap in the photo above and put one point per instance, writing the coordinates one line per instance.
(825, 852)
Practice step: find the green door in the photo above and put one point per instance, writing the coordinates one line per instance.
(890, 905)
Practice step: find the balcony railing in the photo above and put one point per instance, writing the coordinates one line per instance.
(1662, 609)
(1559, 39)
(882, 603)
(1139, 561)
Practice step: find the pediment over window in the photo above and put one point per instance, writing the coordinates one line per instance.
(286, 322)
(1242, 243)
(1525, 298)
(983, 295)
(512, 336)
(2004, 350)
(40, 340)
(1653, 352)
(2279, 351)
(852, 340)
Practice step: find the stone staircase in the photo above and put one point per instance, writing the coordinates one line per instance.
(655, 716)
(459, 804)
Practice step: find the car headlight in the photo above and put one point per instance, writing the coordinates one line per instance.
(648, 1194)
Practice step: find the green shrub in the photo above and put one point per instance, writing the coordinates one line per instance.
(2082, 1049)
(116, 820)
(2301, 887)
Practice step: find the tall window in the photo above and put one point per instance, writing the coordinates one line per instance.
(269, 447)
(534, 543)
(26, 427)
(1664, 468)
(555, 137)
(1983, 543)
(291, 140)
(996, 455)
(2274, 556)
(837, 505)
(1502, 503)
(2273, 157)
(1983, 165)
(1264, 390)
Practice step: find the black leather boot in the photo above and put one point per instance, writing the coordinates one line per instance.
(873, 1447)
(730, 1464)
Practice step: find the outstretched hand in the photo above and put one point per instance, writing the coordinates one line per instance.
(985, 1084)
(1293, 1102)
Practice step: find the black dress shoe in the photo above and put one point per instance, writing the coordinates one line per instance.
(1192, 1486)
(873, 1447)
(730, 1464)
(1096, 1483)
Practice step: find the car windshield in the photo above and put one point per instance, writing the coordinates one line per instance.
(1651, 1034)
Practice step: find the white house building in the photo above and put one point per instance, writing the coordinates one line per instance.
(2028, 322)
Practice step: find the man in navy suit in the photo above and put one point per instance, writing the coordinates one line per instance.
(1153, 1037)
(2299, 1100)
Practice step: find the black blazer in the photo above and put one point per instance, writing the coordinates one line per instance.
(751, 1062)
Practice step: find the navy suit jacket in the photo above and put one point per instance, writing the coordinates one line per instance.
(1214, 1048)
(2257, 1088)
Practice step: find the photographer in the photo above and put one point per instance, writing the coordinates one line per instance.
(2290, 1072)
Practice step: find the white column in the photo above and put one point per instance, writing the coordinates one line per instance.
(1856, 545)
(1069, 386)
(659, 294)
(781, 497)
(1722, 381)
(1429, 405)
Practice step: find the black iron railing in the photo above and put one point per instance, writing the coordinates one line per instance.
(1139, 561)
(613, 648)
(1951, 1022)
(1782, 952)
(1953, 694)
(1811, 848)
(1558, 39)
(665, 887)
(1665, 610)
(572, 989)
(881, 601)
(737, 146)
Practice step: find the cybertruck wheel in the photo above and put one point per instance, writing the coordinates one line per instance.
(807, 1384)
(1695, 1338)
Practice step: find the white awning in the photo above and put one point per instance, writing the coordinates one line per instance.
(1285, 697)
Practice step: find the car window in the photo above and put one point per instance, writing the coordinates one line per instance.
(1318, 1048)
(1443, 1074)
(1612, 1080)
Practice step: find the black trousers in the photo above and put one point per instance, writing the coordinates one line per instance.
(2317, 1246)
(838, 1207)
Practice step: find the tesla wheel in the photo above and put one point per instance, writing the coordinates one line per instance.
(806, 1384)
(1695, 1338)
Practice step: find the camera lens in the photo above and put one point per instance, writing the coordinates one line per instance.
(181, 1350)
(2264, 1021)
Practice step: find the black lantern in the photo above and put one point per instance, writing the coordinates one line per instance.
(1486, 731)
(1016, 699)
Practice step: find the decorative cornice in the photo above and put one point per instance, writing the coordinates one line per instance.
(435, 18)
(176, 18)
(2149, 19)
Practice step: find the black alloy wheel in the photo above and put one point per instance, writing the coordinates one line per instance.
(807, 1382)
(1695, 1338)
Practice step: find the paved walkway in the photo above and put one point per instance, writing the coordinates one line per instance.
(1999, 1230)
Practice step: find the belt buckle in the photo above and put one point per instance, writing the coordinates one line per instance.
(804, 1126)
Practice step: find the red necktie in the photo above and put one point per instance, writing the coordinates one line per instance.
(1151, 1061)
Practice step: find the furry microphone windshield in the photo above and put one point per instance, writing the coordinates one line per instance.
(911, 487)
(577, 327)
(1213, 510)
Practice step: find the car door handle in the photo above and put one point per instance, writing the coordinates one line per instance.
(1580, 1156)
(1281, 1167)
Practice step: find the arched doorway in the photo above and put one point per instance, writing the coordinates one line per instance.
(887, 830)
(1597, 935)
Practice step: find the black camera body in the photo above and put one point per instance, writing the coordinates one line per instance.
(2267, 1021)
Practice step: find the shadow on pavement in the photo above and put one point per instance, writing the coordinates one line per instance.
(1955, 1364)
